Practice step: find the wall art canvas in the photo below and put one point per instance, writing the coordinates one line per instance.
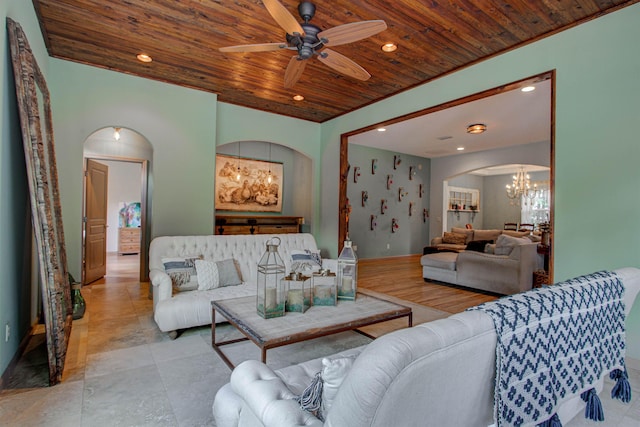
(243, 185)
(129, 214)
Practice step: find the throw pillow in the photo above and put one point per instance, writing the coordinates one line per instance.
(305, 260)
(454, 238)
(208, 277)
(505, 244)
(228, 274)
(334, 371)
(486, 235)
(318, 397)
(182, 271)
(469, 233)
(478, 245)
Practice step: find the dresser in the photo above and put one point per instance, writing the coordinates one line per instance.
(128, 240)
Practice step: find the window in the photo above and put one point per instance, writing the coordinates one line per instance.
(536, 209)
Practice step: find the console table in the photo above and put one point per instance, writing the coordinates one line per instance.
(242, 224)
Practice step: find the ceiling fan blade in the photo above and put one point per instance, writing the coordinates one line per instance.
(293, 72)
(352, 32)
(283, 17)
(343, 65)
(261, 47)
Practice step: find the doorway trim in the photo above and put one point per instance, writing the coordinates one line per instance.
(145, 223)
(343, 209)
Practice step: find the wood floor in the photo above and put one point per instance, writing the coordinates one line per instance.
(401, 277)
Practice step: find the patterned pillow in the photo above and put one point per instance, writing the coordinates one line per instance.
(208, 277)
(182, 271)
(305, 260)
(454, 238)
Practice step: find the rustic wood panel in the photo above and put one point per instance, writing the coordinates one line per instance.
(183, 37)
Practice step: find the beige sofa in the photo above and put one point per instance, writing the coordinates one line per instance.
(508, 270)
(439, 373)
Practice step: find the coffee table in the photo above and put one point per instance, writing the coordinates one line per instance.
(317, 321)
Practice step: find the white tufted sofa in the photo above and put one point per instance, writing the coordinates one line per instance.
(439, 373)
(193, 308)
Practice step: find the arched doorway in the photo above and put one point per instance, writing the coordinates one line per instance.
(130, 155)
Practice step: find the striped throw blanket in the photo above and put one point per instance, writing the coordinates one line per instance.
(555, 343)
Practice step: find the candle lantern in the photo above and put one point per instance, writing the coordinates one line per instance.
(347, 272)
(298, 291)
(324, 288)
(270, 300)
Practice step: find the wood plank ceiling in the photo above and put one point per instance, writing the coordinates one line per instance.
(183, 36)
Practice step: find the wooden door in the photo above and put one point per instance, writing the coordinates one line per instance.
(95, 241)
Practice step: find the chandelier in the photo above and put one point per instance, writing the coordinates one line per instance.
(521, 187)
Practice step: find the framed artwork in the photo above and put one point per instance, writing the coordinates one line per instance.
(42, 175)
(129, 214)
(248, 185)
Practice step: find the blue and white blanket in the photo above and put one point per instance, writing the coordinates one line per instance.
(554, 343)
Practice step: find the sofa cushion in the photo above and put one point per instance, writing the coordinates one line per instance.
(334, 372)
(208, 277)
(506, 243)
(467, 232)
(182, 271)
(513, 233)
(478, 245)
(305, 260)
(454, 238)
(228, 274)
(486, 235)
(442, 260)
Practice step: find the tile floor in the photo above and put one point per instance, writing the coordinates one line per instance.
(122, 371)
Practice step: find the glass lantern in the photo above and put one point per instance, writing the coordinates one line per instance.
(324, 288)
(298, 290)
(347, 273)
(270, 300)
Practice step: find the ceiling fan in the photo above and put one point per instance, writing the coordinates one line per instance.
(309, 40)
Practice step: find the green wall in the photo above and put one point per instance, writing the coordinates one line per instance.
(597, 90)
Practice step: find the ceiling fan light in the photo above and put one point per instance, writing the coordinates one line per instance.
(389, 47)
(143, 57)
(298, 98)
(476, 128)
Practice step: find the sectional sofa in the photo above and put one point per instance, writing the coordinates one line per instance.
(439, 373)
(504, 266)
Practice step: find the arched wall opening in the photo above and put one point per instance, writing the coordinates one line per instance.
(129, 157)
(297, 179)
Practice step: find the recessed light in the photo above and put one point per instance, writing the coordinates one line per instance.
(298, 97)
(460, 148)
(143, 57)
(476, 128)
(528, 89)
(389, 47)
(381, 129)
